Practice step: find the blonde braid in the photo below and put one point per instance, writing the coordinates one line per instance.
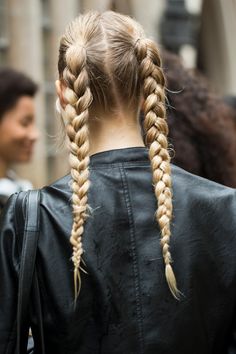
(79, 98)
(156, 130)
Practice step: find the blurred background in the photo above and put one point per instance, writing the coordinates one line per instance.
(200, 31)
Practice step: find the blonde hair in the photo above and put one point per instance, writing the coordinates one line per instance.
(106, 61)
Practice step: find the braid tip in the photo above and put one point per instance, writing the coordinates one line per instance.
(77, 284)
(83, 268)
(170, 277)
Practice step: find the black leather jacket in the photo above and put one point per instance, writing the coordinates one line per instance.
(125, 306)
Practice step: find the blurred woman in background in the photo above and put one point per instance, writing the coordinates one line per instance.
(201, 124)
(18, 132)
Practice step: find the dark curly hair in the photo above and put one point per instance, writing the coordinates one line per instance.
(202, 126)
(13, 85)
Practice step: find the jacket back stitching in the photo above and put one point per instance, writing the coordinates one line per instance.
(134, 257)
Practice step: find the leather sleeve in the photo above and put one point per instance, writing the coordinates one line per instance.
(232, 344)
(9, 266)
(231, 348)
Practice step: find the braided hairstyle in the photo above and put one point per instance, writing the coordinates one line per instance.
(156, 131)
(106, 63)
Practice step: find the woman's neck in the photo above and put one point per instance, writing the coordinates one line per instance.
(114, 132)
(3, 168)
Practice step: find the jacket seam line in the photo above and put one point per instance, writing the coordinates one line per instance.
(112, 165)
(134, 257)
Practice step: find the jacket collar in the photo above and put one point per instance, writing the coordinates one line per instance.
(120, 156)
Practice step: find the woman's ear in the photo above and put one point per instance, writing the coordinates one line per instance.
(60, 88)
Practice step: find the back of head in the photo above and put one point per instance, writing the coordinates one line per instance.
(106, 64)
(110, 46)
(13, 85)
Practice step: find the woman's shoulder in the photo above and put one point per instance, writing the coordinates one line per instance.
(61, 185)
(57, 193)
(199, 201)
(199, 187)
